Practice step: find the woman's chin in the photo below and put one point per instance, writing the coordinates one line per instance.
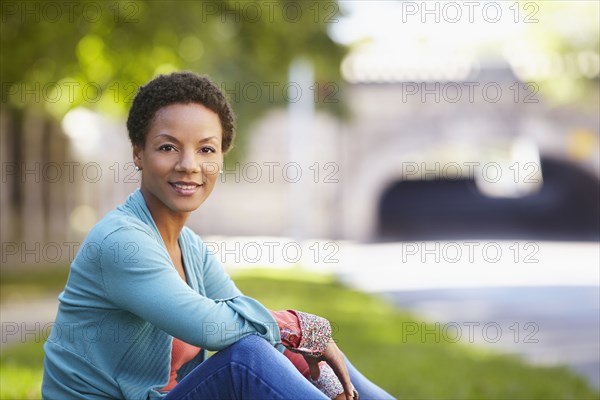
(188, 205)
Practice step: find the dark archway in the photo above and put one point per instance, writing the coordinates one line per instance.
(566, 208)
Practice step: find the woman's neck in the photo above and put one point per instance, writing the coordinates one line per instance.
(169, 223)
(169, 230)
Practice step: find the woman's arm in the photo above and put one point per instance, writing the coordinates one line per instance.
(302, 333)
(327, 382)
(291, 336)
(144, 282)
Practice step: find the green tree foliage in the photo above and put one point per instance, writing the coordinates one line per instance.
(59, 55)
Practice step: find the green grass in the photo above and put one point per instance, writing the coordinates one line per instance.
(21, 371)
(370, 332)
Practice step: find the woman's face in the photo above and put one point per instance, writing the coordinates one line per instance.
(181, 159)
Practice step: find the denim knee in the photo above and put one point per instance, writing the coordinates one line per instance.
(250, 348)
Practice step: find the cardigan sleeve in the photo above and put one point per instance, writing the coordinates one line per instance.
(138, 276)
(299, 331)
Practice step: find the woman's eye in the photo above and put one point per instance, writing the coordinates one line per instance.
(167, 147)
(207, 150)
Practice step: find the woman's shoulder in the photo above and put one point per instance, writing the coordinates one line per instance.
(119, 223)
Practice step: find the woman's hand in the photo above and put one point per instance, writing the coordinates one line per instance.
(334, 357)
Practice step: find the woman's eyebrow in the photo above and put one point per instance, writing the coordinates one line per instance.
(208, 139)
(174, 139)
(167, 136)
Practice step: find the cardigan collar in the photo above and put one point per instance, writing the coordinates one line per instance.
(136, 205)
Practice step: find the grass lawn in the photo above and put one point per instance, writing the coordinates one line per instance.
(370, 332)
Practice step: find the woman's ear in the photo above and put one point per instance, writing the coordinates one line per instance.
(137, 156)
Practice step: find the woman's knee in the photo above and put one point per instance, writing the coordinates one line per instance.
(251, 347)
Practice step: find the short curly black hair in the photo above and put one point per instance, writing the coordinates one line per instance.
(178, 87)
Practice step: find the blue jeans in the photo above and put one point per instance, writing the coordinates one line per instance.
(253, 369)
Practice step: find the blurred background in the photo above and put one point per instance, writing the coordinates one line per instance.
(442, 155)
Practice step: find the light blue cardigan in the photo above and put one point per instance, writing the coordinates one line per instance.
(123, 303)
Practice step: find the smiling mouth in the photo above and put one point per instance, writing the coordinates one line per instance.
(186, 188)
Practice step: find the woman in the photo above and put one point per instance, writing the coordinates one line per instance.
(145, 300)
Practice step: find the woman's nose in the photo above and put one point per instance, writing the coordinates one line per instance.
(188, 163)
